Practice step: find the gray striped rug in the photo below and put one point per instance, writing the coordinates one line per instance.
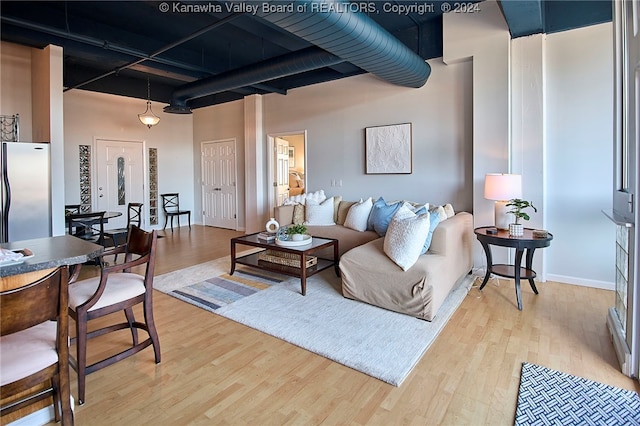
(219, 291)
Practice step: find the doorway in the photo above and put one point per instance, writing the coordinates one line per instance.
(219, 194)
(287, 166)
(119, 178)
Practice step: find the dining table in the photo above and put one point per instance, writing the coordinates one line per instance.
(43, 254)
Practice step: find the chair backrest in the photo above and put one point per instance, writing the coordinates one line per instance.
(34, 303)
(88, 226)
(170, 202)
(134, 214)
(142, 244)
(71, 209)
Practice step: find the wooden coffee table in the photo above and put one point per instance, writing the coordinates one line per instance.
(316, 245)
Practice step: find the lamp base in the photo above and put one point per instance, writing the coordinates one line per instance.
(502, 216)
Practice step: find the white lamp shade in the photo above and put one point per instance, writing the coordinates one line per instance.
(502, 187)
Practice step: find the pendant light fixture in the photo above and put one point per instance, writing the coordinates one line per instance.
(148, 118)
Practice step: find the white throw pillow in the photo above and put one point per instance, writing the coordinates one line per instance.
(448, 209)
(302, 198)
(358, 215)
(316, 196)
(405, 237)
(439, 210)
(320, 214)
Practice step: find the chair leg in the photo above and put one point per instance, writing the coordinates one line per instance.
(153, 333)
(57, 406)
(171, 223)
(166, 218)
(189, 218)
(65, 398)
(81, 354)
(128, 312)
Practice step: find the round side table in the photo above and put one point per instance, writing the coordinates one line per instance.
(503, 239)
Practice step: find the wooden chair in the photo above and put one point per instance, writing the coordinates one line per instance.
(118, 236)
(34, 345)
(72, 209)
(171, 208)
(116, 289)
(88, 226)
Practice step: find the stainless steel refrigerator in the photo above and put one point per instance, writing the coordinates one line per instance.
(25, 191)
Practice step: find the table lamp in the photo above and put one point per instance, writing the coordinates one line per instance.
(501, 188)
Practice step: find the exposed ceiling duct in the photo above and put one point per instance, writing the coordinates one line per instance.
(294, 63)
(338, 27)
(341, 34)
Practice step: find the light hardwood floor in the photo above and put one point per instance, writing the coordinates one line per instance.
(215, 371)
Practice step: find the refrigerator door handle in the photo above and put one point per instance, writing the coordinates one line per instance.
(6, 198)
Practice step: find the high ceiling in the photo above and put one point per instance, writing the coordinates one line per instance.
(196, 54)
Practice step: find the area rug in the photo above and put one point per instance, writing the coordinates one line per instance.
(549, 397)
(216, 292)
(380, 343)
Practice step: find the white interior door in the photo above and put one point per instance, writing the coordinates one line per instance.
(282, 170)
(119, 177)
(219, 184)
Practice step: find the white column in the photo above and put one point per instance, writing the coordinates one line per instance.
(255, 160)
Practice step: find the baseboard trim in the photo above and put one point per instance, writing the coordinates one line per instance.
(605, 285)
(43, 416)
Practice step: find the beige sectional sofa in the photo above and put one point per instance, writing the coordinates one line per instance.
(370, 276)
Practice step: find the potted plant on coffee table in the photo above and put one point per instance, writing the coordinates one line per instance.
(517, 209)
(297, 232)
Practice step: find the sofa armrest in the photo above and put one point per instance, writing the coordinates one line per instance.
(454, 235)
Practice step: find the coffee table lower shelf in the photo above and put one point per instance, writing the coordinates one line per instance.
(254, 260)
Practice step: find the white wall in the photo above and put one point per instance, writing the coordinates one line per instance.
(336, 114)
(579, 152)
(90, 115)
(15, 85)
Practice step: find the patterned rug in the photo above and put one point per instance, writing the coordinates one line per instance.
(549, 397)
(216, 292)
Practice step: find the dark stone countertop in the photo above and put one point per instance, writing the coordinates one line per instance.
(51, 252)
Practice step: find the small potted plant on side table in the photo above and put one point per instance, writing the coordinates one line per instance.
(517, 209)
(297, 232)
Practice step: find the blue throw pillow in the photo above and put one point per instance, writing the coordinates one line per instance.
(381, 215)
(434, 220)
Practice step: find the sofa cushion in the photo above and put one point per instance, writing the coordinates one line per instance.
(318, 196)
(358, 215)
(284, 214)
(343, 209)
(448, 209)
(434, 220)
(347, 238)
(438, 210)
(405, 237)
(337, 199)
(381, 214)
(320, 214)
(298, 214)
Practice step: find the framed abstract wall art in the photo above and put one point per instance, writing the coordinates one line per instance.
(388, 149)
